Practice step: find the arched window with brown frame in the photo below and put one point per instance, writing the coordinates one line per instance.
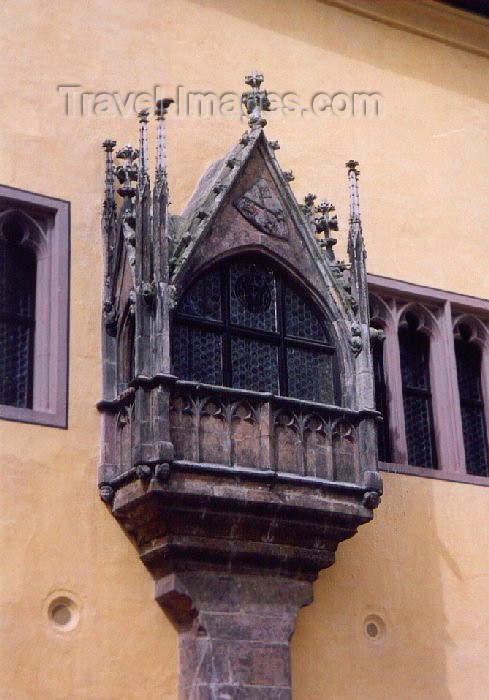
(17, 316)
(414, 347)
(468, 357)
(246, 325)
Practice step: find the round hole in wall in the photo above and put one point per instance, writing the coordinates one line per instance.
(63, 613)
(374, 628)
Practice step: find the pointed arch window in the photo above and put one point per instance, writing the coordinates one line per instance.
(469, 369)
(34, 304)
(17, 316)
(243, 324)
(414, 349)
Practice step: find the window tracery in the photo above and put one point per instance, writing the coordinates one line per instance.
(244, 325)
(435, 376)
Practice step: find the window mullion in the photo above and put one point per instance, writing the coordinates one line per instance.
(226, 336)
(446, 398)
(282, 360)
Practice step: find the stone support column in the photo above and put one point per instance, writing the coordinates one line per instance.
(235, 631)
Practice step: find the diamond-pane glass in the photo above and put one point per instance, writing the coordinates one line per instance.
(414, 350)
(468, 370)
(197, 354)
(237, 338)
(254, 365)
(15, 342)
(474, 440)
(17, 274)
(203, 299)
(418, 433)
(301, 320)
(469, 367)
(252, 297)
(310, 375)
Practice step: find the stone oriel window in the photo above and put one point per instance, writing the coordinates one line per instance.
(434, 373)
(34, 270)
(243, 324)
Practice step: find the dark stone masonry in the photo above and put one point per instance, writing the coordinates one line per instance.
(235, 495)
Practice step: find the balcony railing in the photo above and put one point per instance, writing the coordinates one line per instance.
(241, 429)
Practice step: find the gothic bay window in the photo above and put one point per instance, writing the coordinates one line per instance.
(414, 349)
(469, 367)
(244, 325)
(17, 316)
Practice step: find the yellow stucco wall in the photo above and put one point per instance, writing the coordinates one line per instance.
(423, 564)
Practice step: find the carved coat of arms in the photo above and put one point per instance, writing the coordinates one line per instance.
(261, 207)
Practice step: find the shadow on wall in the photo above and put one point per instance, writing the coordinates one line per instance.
(389, 574)
(319, 24)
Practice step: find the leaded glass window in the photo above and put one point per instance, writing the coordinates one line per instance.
(469, 366)
(17, 317)
(244, 325)
(416, 392)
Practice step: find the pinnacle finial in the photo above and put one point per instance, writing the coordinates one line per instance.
(353, 173)
(109, 145)
(109, 204)
(160, 113)
(255, 101)
(352, 166)
(127, 173)
(162, 107)
(324, 225)
(143, 144)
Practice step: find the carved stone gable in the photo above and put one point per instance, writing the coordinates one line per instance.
(262, 208)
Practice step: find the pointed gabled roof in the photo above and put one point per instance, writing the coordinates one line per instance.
(211, 193)
(208, 196)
